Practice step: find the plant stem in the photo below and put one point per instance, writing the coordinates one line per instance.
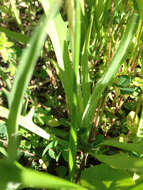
(82, 166)
(96, 120)
(110, 33)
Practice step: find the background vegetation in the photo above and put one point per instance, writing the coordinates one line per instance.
(71, 114)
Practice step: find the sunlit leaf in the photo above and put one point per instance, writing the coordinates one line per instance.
(132, 147)
(24, 73)
(103, 177)
(121, 161)
(31, 178)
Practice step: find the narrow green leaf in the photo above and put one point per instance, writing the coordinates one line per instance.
(65, 69)
(76, 102)
(24, 73)
(16, 12)
(25, 122)
(69, 5)
(59, 41)
(77, 36)
(82, 4)
(100, 13)
(108, 76)
(121, 161)
(15, 35)
(85, 82)
(132, 147)
(140, 7)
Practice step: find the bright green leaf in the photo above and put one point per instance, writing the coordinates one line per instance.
(132, 147)
(103, 177)
(31, 178)
(121, 161)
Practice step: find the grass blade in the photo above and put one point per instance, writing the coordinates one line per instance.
(24, 73)
(59, 41)
(16, 13)
(106, 79)
(84, 62)
(68, 75)
(76, 98)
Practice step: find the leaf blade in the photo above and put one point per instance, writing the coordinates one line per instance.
(24, 73)
(106, 79)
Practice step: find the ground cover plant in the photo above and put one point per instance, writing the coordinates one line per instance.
(71, 113)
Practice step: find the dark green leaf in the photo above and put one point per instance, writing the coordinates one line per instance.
(124, 81)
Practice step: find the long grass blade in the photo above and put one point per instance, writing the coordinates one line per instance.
(85, 82)
(76, 103)
(23, 76)
(106, 79)
(59, 41)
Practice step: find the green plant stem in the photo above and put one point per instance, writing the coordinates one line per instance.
(76, 92)
(82, 166)
(110, 33)
(97, 119)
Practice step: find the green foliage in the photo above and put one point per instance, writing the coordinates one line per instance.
(5, 48)
(32, 178)
(90, 66)
(124, 81)
(133, 147)
(139, 3)
(104, 177)
(15, 35)
(26, 122)
(122, 161)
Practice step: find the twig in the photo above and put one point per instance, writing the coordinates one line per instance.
(96, 121)
(82, 165)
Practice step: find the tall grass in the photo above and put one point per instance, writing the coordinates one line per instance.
(74, 74)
